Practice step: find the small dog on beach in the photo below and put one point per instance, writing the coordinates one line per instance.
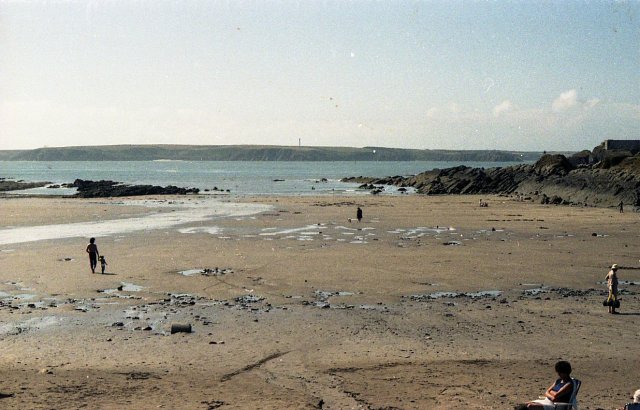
(103, 263)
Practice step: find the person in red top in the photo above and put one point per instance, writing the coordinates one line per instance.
(92, 250)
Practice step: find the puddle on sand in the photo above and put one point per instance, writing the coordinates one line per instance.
(191, 272)
(124, 287)
(422, 230)
(185, 213)
(18, 285)
(305, 230)
(248, 299)
(206, 271)
(373, 307)
(212, 230)
(130, 287)
(472, 295)
(38, 323)
(452, 243)
(535, 291)
(20, 297)
(344, 228)
(623, 282)
(323, 295)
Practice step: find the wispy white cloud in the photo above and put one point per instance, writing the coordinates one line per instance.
(565, 101)
(591, 103)
(454, 108)
(503, 107)
(432, 112)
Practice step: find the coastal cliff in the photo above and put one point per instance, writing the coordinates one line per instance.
(258, 153)
(592, 178)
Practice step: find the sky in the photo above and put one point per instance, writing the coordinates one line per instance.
(512, 75)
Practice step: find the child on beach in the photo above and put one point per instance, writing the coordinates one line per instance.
(103, 263)
(612, 281)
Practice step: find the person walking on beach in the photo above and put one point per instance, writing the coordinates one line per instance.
(92, 250)
(359, 214)
(612, 281)
(621, 207)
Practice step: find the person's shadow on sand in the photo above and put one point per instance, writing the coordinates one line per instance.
(109, 273)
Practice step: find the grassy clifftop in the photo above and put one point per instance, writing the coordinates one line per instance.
(256, 153)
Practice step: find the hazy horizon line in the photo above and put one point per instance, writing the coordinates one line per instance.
(284, 146)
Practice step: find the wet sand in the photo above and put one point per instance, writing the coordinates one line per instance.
(428, 303)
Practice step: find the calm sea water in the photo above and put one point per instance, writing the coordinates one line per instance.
(255, 178)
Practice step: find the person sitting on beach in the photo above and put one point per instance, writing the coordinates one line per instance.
(92, 250)
(103, 263)
(636, 402)
(558, 392)
(612, 281)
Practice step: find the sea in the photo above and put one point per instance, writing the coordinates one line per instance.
(222, 180)
(227, 177)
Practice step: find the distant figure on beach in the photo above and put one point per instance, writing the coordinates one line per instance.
(621, 207)
(359, 214)
(559, 392)
(483, 204)
(612, 281)
(103, 263)
(92, 250)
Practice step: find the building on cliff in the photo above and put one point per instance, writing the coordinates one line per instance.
(628, 145)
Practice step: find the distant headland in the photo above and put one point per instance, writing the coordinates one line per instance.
(259, 153)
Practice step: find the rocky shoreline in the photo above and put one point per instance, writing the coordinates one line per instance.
(10, 185)
(104, 189)
(597, 178)
(100, 189)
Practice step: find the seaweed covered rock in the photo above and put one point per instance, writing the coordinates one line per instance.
(103, 189)
(552, 165)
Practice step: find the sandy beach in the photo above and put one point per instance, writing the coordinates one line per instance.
(428, 303)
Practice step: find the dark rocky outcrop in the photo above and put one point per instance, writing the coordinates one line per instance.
(103, 189)
(549, 165)
(7, 185)
(597, 178)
